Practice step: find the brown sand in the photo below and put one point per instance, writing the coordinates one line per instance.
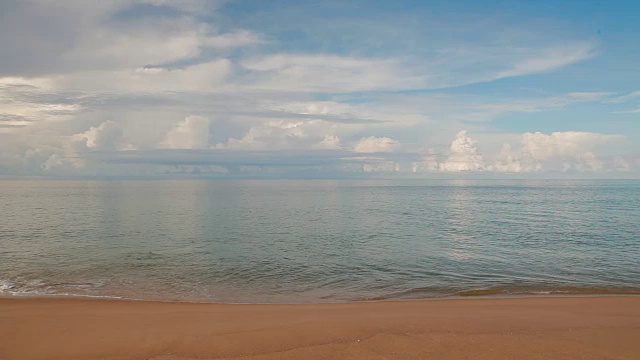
(534, 328)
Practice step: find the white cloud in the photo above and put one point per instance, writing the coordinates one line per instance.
(564, 150)
(287, 134)
(478, 109)
(321, 72)
(270, 135)
(509, 162)
(550, 59)
(70, 154)
(329, 142)
(634, 111)
(327, 72)
(620, 164)
(201, 77)
(428, 163)
(74, 36)
(625, 98)
(193, 169)
(381, 166)
(374, 144)
(387, 111)
(195, 6)
(23, 102)
(588, 95)
(106, 136)
(190, 133)
(234, 39)
(463, 155)
(71, 64)
(47, 152)
(556, 152)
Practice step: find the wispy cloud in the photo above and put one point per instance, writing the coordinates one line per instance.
(550, 59)
(635, 95)
(634, 111)
(98, 87)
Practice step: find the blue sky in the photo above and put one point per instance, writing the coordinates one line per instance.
(159, 88)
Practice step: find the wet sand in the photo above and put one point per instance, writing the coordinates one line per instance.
(524, 328)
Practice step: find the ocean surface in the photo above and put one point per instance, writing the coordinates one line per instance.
(318, 240)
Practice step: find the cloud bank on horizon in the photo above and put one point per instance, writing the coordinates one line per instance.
(297, 89)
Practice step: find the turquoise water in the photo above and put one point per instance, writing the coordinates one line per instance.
(318, 241)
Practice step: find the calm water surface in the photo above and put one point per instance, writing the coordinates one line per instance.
(318, 241)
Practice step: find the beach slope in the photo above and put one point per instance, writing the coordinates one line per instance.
(532, 328)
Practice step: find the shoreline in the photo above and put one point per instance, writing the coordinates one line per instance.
(410, 295)
(584, 327)
(107, 299)
(64, 297)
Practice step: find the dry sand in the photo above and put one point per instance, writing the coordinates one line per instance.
(533, 328)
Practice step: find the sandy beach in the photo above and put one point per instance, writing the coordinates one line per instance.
(522, 328)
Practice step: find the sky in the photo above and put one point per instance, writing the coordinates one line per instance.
(319, 89)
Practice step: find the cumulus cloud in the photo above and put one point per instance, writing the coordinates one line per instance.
(71, 154)
(106, 136)
(270, 135)
(620, 164)
(329, 142)
(49, 153)
(190, 133)
(510, 162)
(374, 144)
(428, 163)
(463, 156)
(568, 151)
(287, 134)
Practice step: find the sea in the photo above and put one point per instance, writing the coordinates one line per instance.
(317, 241)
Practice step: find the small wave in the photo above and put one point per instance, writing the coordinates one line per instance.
(79, 286)
(5, 285)
(436, 293)
(567, 290)
(16, 288)
(417, 293)
(37, 287)
(84, 296)
(98, 289)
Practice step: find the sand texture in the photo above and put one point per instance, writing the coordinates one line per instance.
(533, 328)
